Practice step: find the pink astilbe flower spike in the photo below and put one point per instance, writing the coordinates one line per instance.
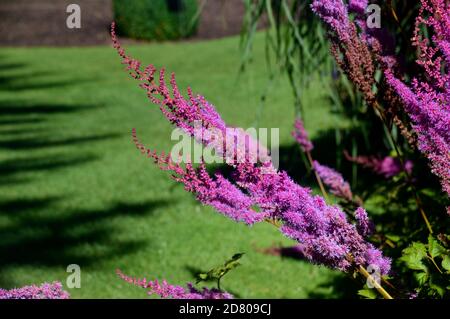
(387, 167)
(324, 233)
(358, 6)
(365, 226)
(334, 181)
(44, 291)
(427, 100)
(168, 291)
(216, 192)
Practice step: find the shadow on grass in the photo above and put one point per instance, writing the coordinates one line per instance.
(54, 239)
(12, 170)
(23, 127)
(29, 143)
(35, 232)
(342, 287)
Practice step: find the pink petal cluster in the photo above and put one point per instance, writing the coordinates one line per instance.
(168, 291)
(334, 180)
(301, 136)
(364, 224)
(259, 191)
(45, 291)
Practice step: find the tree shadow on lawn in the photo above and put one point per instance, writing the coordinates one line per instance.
(29, 143)
(33, 231)
(23, 129)
(12, 170)
(40, 236)
(29, 80)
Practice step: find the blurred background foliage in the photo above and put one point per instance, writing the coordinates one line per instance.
(156, 19)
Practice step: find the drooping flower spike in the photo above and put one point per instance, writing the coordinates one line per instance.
(168, 291)
(301, 136)
(334, 181)
(324, 233)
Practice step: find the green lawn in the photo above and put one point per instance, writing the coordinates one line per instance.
(74, 189)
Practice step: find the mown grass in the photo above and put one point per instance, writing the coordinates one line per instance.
(74, 190)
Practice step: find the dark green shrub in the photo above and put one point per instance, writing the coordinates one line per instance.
(156, 19)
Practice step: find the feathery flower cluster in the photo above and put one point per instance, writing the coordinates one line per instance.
(217, 192)
(195, 116)
(301, 136)
(45, 291)
(168, 291)
(351, 53)
(334, 180)
(334, 13)
(387, 167)
(364, 224)
(358, 6)
(427, 102)
(323, 232)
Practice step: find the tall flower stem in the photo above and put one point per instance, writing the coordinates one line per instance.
(377, 286)
(319, 180)
(402, 163)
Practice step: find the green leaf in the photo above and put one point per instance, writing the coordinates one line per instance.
(434, 248)
(446, 263)
(421, 277)
(413, 256)
(220, 271)
(368, 293)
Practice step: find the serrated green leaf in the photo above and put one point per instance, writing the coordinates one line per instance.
(446, 263)
(434, 248)
(367, 293)
(421, 277)
(220, 271)
(413, 256)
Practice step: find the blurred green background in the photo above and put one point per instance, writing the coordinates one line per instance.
(156, 19)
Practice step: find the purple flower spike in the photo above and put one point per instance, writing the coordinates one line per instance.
(301, 136)
(364, 224)
(168, 291)
(335, 182)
